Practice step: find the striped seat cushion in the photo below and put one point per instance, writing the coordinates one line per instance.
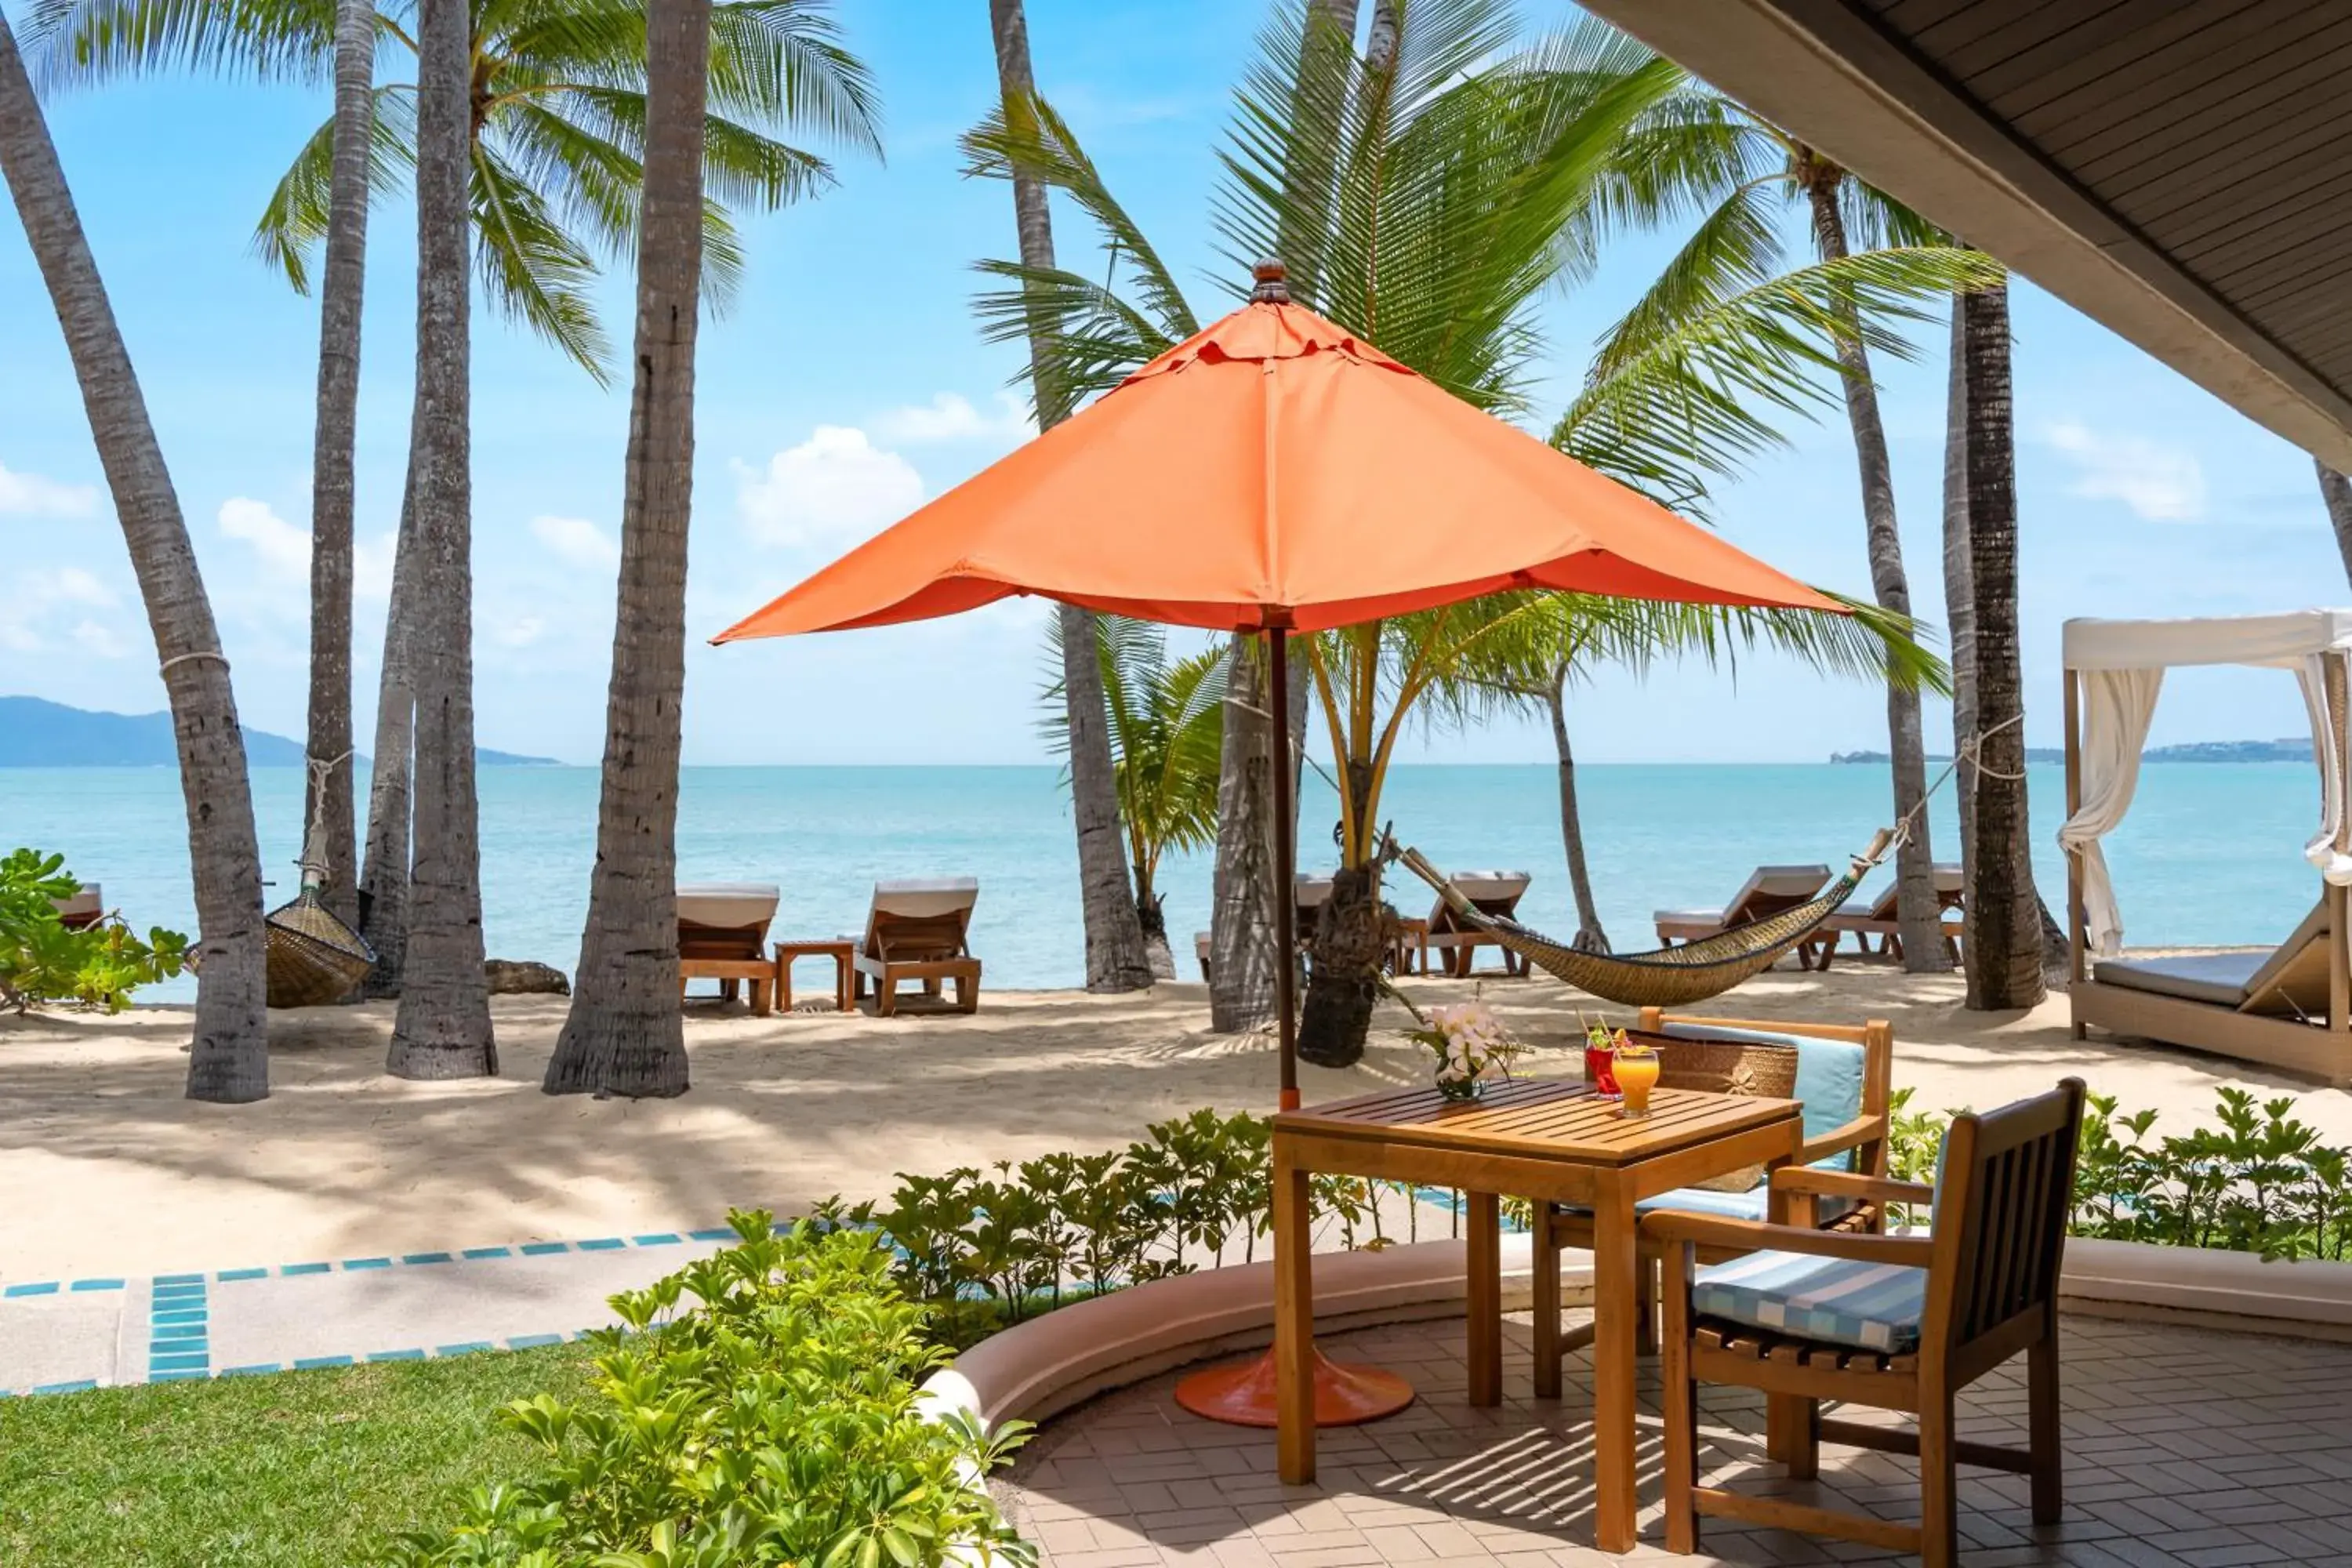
(1870, 1306)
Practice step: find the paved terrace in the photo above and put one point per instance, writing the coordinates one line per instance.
(2185, 1448)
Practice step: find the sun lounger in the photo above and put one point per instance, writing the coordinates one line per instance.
(86, 907)
(1494, 893)
(920, 930)
(722, 934)
(2288, 980)
(1767, 892)
(1310, 895)
(1865, 917)
(2267, 1004)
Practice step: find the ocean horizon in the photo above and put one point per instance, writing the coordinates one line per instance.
(2209, 855)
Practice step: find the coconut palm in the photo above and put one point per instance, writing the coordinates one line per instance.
(1117, 958)
(1163, 716)
(2335, 494)
(1472, 173)
(443, 1028)
(228, 1058)
(1748, 172)
(624, 1035)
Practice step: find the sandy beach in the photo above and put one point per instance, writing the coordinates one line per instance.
(106, 1168)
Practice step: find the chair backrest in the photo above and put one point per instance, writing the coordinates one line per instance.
(1494, 893)
(1843, 1070)
(1951, 885)
(1772, 889)
(919, 918)
(724, 919)
(2002, 1197)
(2294, 979)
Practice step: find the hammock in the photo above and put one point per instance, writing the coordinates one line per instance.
(1667, 977)
(314, 958)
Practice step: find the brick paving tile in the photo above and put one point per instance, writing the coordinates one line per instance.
(2185, 1449)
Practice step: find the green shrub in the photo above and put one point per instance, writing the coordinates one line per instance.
(2257, 1181)
(95, 966)
(773, 1421)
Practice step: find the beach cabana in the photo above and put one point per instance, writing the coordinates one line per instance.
(2287, 1006)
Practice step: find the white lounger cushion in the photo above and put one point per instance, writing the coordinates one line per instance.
(1310, 891)
(727, 903)
(1781, 881)
(2288, 979)
(922, 898)
(1491, 884)
(86, 903)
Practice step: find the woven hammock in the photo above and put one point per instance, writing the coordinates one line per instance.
(314, 959)
(1666, 976)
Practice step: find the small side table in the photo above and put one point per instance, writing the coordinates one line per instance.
(838, 949)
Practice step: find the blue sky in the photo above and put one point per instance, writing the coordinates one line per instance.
(847, 382)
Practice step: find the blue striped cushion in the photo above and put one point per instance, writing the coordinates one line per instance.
(1870, 1306)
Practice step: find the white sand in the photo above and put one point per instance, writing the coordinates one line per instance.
(106, 1168)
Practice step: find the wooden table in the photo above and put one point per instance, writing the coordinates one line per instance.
(839, 949)
(1543, 1139)
(760, 973)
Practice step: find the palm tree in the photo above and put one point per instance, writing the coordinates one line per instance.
(342, 294)
(443, 1028)
(2004, 936)
(1747, 170)
(2335, 493)
(1116, 957)
(624, 1034)
(1163, 716)
(555, 165)
(1471, 176)
(228, 1059)
(1960, 588)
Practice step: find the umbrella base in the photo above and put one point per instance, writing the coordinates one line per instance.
(1243, 1394)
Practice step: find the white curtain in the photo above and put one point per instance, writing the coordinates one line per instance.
(2326, 848)
(2117, 705)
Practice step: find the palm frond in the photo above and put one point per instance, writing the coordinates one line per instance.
(1092, 341)
(533, 270)
(77, 42)
(294, 222)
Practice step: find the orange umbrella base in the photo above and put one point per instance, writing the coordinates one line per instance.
(1242, 1395)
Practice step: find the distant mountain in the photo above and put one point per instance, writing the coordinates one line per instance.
(38, 734)
(2291, 749)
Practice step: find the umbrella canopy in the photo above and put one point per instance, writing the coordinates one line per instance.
(1274, 471)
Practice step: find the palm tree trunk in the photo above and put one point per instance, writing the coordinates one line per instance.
(2004, 939)
(1589, 937)
(1916, 916)
(443, 1029)
(383, 879)
(228, 1058)
(1116, 959)
(2337, 492)
(1959, 594)
(328, 791)
(624, 1034)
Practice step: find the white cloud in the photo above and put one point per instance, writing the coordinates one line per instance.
(284, 549)
(2159, 483)
(372, 567)
(38, 602)
(521, 632)
(578, 542)
(102, 641)
(837, 488)
(30, 495)
(949, 416)
(72, 585)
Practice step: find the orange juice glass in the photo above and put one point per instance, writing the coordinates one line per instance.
(1637, 1074)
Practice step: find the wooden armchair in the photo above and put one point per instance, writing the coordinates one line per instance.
(1896, 1322)
(1845, 1120)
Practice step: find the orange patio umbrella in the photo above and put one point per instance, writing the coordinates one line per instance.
(1275, 473)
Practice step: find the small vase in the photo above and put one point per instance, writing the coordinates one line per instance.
(1462, 1088)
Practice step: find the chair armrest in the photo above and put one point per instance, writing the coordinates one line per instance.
(1667, 1227)
(1845, 1184)
(1862, 1129)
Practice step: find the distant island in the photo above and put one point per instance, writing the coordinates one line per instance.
(38, 734)
(2293, 749)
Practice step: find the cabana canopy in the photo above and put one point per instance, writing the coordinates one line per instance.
(2120, 666)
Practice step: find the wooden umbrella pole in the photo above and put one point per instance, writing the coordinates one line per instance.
(1286, 865)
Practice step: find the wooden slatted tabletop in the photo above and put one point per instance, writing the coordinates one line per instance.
(1560, 1117)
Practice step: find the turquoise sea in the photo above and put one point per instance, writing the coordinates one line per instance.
(2209, 854)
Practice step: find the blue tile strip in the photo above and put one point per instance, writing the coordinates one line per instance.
(542, 1248)
(227, 1275)
(481, 1252)
(46, 1288)
(179, 1343)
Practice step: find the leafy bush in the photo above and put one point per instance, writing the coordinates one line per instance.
(776, 1421)
(2258, 1180)
(95, 966)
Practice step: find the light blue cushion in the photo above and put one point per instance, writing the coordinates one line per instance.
(1870, 1306)
(1748, 1204)
(1829, 1078)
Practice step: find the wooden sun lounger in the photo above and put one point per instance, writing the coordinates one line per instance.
(722, 933)
(86, 907)
(1767, 891)
(919, 931)
(2279, 1006)
(1876, 918)
(1494, 893)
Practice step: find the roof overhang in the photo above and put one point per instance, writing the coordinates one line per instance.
(1852, 82)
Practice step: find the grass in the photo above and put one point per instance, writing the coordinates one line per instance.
(299, 1467)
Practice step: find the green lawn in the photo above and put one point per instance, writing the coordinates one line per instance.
(307, 1468)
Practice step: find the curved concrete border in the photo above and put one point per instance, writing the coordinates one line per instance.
(1048, 1365)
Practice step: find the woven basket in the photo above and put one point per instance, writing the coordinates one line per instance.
(1760, 1069)
(314, 958)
